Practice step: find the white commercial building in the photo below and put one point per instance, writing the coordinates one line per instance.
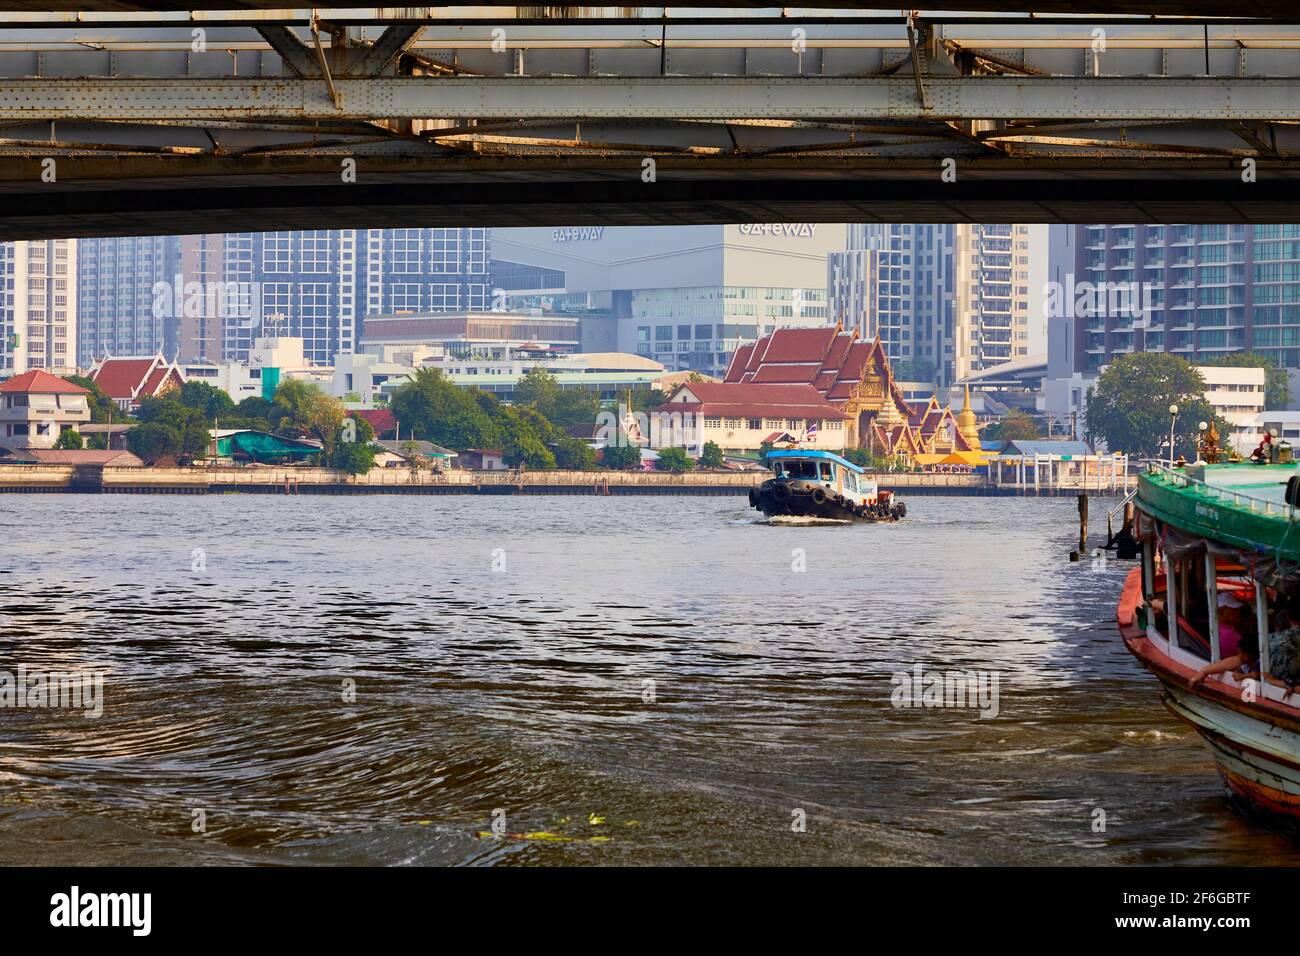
(371, 377)
(684, 296)
(271, 360)
(1237, 396)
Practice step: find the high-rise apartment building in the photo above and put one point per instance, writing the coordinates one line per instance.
(945, 300)
(38, 306)
(998, 278)
(1198, 291)
(149, 295)
(320, 285)
(1195, 291)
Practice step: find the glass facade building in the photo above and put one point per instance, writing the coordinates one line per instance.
(1197, 291)
(697, 329)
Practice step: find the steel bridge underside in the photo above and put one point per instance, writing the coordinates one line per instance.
(136, 123)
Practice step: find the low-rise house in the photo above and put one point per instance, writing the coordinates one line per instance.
(68, 456)
(397, 454)
(247, 445)
(129, 381)
(116, 433)
(744, 416)
(36, 407)
(482, 459)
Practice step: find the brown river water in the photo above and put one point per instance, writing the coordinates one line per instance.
(639, 680)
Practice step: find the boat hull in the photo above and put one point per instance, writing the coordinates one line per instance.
(1255, 744)
(809, 506)
(1252, 755)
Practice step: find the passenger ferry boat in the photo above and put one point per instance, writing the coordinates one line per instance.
(1220, 568)
(821, 484)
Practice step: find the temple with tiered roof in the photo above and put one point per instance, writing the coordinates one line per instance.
(831, 373)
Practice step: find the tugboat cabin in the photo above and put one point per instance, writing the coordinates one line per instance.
(837, 475)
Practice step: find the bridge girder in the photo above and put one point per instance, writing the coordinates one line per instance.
(971, 98)
(864, 130)
(1210, 8)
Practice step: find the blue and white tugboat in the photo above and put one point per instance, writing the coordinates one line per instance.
(821, 484)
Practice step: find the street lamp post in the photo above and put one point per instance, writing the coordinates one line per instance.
(1173, 418)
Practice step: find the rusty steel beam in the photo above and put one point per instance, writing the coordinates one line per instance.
(1011, 98)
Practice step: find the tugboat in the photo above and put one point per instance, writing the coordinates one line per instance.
(1214, 614)
(821, 484)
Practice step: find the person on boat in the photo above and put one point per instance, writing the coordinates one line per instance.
(1234, 622)
(1244, 663)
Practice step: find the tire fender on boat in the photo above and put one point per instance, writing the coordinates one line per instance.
(780, 492)
(818, 496)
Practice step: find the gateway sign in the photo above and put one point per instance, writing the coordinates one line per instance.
(577, 233)
(801, 230)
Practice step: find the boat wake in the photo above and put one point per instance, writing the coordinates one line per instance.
(800, 520)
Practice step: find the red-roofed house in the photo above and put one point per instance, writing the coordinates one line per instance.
(36, 407)
(854, 377)
(744, 415)
(128, 381)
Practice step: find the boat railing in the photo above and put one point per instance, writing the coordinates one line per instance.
(1237, 498)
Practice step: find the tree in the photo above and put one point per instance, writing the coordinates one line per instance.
(521, 442)
(620, 456)
(152, 441)
(432, 408)
(914, 370)
(188, 424)
(362, 430)
(303, 408)
(1016, 426)
(563, 407)
(860, 456)
(102, 408)
(711, 456)
(208, 399)
(644, 399)
(1129, 407)
(255, 407)
(573, 454)
(537, 387)
(1277, 384)
(354, 457)
(675, 460)
(69, 438)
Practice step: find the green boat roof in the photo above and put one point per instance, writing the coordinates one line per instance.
(1243, 505)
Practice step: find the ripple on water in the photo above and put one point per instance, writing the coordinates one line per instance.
(647, 680)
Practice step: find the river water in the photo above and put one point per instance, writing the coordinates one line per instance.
(621, 680)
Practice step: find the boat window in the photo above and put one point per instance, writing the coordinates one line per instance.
(825, 469)
(798, 469)
(850, 481)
